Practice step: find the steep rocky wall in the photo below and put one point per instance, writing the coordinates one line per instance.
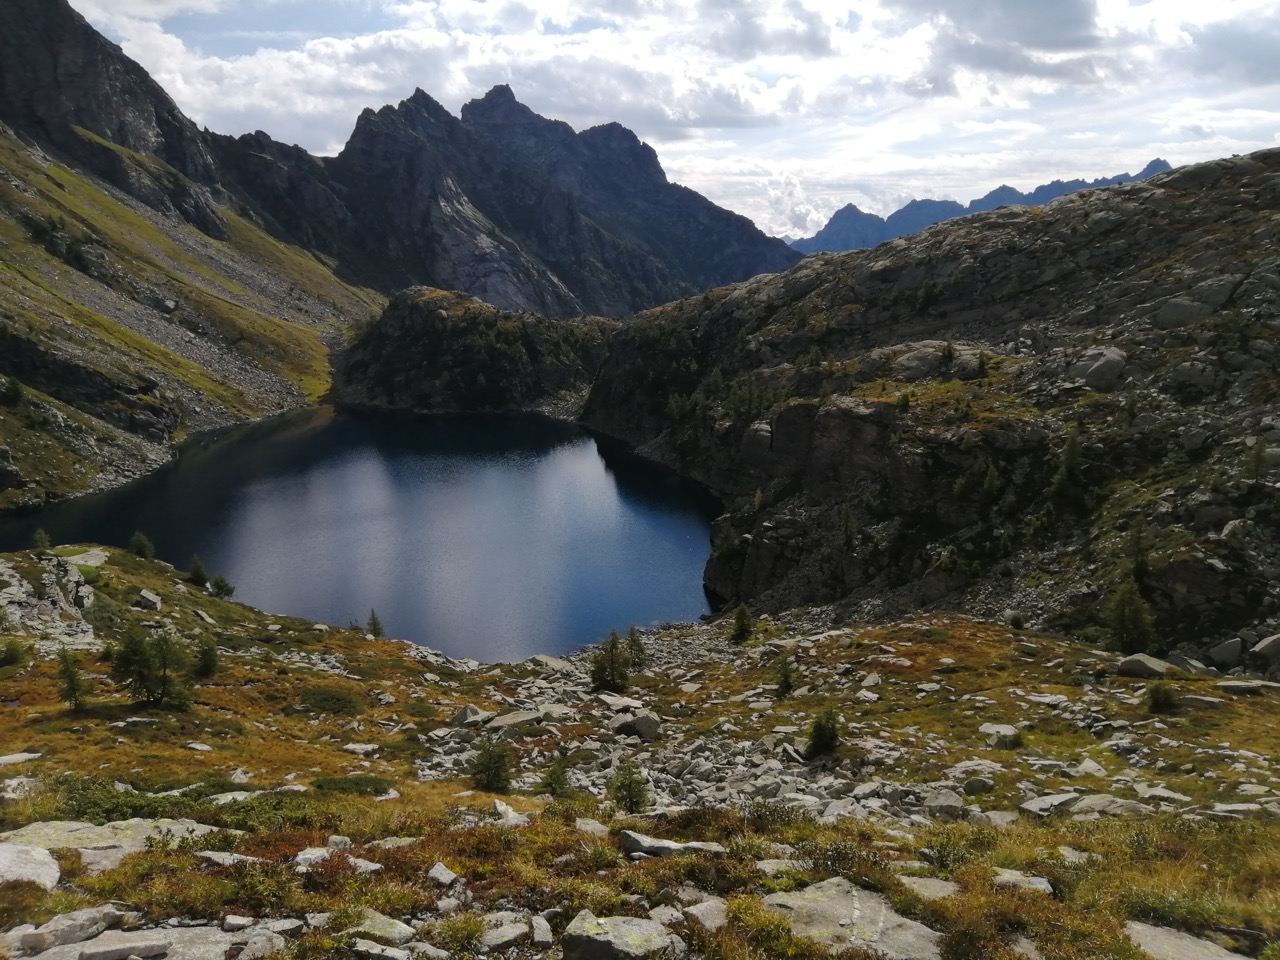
(1012, 410)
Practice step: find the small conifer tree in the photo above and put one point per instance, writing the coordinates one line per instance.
(140, 545)
(1069, 478)
(206, 664)
(1130, 619)
(221, 587)
(636, 651)
(73, 688)
(40, 540)
(629, 789)
(824, 734)
(151, 666)
(491, 767)
(743, 625)
(1258, 460)
(610, 666)
(375, 624)
(786, 678)
(198, 575)
(1141, 565)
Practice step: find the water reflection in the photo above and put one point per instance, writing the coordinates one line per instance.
(493, 537)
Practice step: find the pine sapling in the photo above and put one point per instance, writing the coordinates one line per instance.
(73, 687)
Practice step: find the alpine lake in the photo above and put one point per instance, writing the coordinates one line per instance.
(494, 537)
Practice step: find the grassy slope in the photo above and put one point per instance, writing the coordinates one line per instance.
(1216, 878)
(52, 303)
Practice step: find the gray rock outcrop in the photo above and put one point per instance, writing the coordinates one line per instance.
(840, 915)
(614, 938)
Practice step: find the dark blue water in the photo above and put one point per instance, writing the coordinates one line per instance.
(493, 537)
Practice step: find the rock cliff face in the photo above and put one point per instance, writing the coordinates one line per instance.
(1017, 409)
(64, 83)
(503, 204)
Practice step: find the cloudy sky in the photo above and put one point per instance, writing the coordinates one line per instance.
(783, 110)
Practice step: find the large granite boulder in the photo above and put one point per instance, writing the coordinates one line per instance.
(590, 937)
(837, 913)
(20, 862)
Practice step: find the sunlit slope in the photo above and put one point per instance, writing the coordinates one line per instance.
(145, 327)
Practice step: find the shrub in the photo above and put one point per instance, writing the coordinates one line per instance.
(824, 734)
(333, 700)
(1162, 697)
(460, 934)
(206, 664)
(743, 626)
(363, 784)
(10, 391)
(104, 614)
(221, 588)
(846, 857)
(786, 678)
(490, 769)
(1132, 626)
(140, 545)
(96, 800)
(610, 666)
(73, 688)
(420, 711)
(40, 540)
(555, 781)
(629, 789)
(14, 652)
(198, 575)
(766, 816)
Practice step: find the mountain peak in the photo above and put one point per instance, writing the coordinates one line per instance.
(57, 74)
(499, 105)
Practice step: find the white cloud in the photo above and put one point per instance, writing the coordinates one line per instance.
(782, 109)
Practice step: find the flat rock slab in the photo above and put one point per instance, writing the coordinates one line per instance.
(1144, 667)
(102, 848)
(192, 943)
(30, 863)
(376, 951)
(590, 937)
(502, 937)
(1165, 944)
(72, 927)
(377, 926)
(840, 915)
(11, 759)
(632, 842)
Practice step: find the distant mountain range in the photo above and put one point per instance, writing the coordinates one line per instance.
(852, 229)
